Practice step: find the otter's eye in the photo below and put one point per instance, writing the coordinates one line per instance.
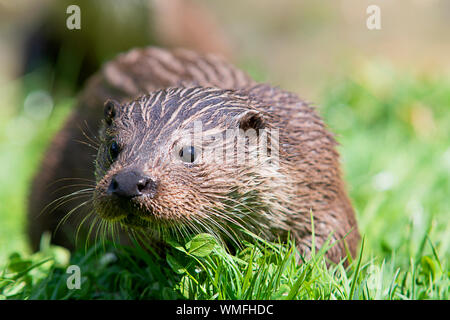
(114, 150)
(188, 154)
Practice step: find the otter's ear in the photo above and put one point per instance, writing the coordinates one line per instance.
(111, 110)
(252, 120)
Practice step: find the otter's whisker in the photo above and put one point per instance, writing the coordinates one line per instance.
(64, 199)
(64, 219)
(73, 186)
(92, 181)
(92, 140)
(91, 228)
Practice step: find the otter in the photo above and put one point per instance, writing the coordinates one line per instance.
(143, 171)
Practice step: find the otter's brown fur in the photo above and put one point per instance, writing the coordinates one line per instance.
(159, 94)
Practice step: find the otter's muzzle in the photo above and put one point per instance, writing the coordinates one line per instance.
(132, 183)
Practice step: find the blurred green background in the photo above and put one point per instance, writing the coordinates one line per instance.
(385, 93)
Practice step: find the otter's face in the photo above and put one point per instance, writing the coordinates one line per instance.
(153, 170)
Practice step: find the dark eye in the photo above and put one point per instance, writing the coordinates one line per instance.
(188, 154)
(114, 150)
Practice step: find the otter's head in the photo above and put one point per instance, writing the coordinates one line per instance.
(174, 160)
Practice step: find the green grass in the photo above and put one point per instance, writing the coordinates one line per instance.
(394, 130)
(202, 269)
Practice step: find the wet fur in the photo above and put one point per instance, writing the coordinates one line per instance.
(160, 93)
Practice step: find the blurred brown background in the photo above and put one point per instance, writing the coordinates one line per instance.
(298, 44)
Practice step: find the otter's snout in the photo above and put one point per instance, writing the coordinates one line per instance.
(132, 183)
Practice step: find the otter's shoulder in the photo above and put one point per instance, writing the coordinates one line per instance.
(299, 123)
(283, 105)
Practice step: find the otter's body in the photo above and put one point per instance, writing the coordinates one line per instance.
(133, 178)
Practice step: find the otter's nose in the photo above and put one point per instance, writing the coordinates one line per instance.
(132, 183)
